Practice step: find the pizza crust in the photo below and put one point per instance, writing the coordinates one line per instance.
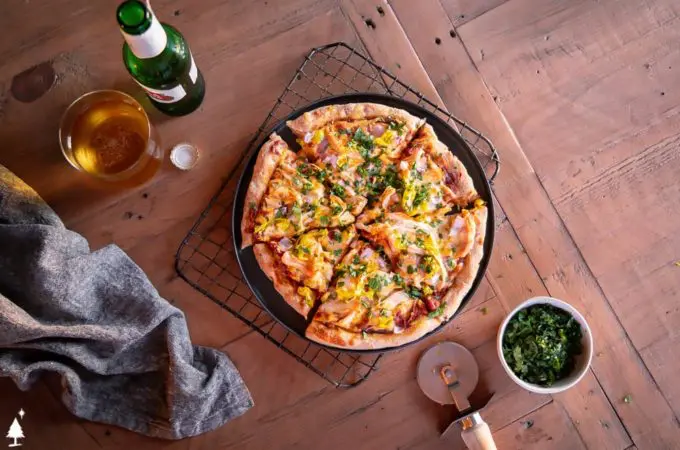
(318, 118)
(337, 337)
(271, 153)
(463, 282)
(284, 285)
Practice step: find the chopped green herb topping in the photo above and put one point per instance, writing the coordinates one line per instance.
(338, 190)
(540, 344)
(374, 283)
(437, 312)
(364, 142)
(397, 126)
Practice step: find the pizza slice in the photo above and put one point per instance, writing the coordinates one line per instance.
(368, 306)
(429, 167)
(358, 145)
(429, 252)
(294, 198)
(301, 268)
(466, 269)
(431, 180)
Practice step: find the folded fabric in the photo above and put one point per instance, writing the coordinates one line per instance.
(123, 352)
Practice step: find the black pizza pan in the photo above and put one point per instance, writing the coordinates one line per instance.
(263, 288)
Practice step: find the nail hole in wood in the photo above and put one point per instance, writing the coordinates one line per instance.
(437, 41)
(380, 10)
(538, 71)
(370, 23)
(663, 93)
(177, 12)
(452, 34)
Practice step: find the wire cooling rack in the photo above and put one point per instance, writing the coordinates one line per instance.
(206, 258)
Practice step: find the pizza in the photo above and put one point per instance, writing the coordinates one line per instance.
(372, 230)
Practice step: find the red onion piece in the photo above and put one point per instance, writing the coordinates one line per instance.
(377, 129)
(323, 145)
(285, 244)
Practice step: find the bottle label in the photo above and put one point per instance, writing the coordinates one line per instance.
(171, 95)
(193, 70)
(150, 43)
(175, 94)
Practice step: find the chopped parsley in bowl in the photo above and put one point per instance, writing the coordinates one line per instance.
(545, 345)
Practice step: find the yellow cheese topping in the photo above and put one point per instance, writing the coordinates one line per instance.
(306, 294)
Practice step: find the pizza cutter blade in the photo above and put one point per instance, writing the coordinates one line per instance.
(448, 374)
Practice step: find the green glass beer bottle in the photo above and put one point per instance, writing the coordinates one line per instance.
(158, 58)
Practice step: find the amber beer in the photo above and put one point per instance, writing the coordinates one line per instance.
(107, 134)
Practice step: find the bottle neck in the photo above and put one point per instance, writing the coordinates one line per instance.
(150, 42)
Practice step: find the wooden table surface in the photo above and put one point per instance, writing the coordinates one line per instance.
(580, 97)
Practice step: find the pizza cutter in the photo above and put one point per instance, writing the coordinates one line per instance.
(448, 374)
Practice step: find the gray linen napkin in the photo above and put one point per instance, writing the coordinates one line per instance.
(123, 352)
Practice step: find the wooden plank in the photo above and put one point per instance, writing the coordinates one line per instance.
(661, 358)
(561, 70)
(547, 427)
(594, 173)
(643, 268)
(466, 96)
(379, 24)
(463, 11)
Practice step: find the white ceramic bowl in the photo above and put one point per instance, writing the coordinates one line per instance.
(582, 361)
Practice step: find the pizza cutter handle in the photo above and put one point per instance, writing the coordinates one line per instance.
(476, 433)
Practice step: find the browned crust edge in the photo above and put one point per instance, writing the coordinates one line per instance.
(267, 259)
(268, 159)
(318, 118)
(339, 338)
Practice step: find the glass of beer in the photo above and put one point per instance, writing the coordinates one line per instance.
(107, 134)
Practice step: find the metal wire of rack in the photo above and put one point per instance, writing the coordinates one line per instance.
(206, 258)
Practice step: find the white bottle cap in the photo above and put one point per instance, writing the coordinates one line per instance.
(184, 156)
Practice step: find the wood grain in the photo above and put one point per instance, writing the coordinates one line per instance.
(463, 91)
(623, 154)
(548, 427)
(463, 11)
(378, 24)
